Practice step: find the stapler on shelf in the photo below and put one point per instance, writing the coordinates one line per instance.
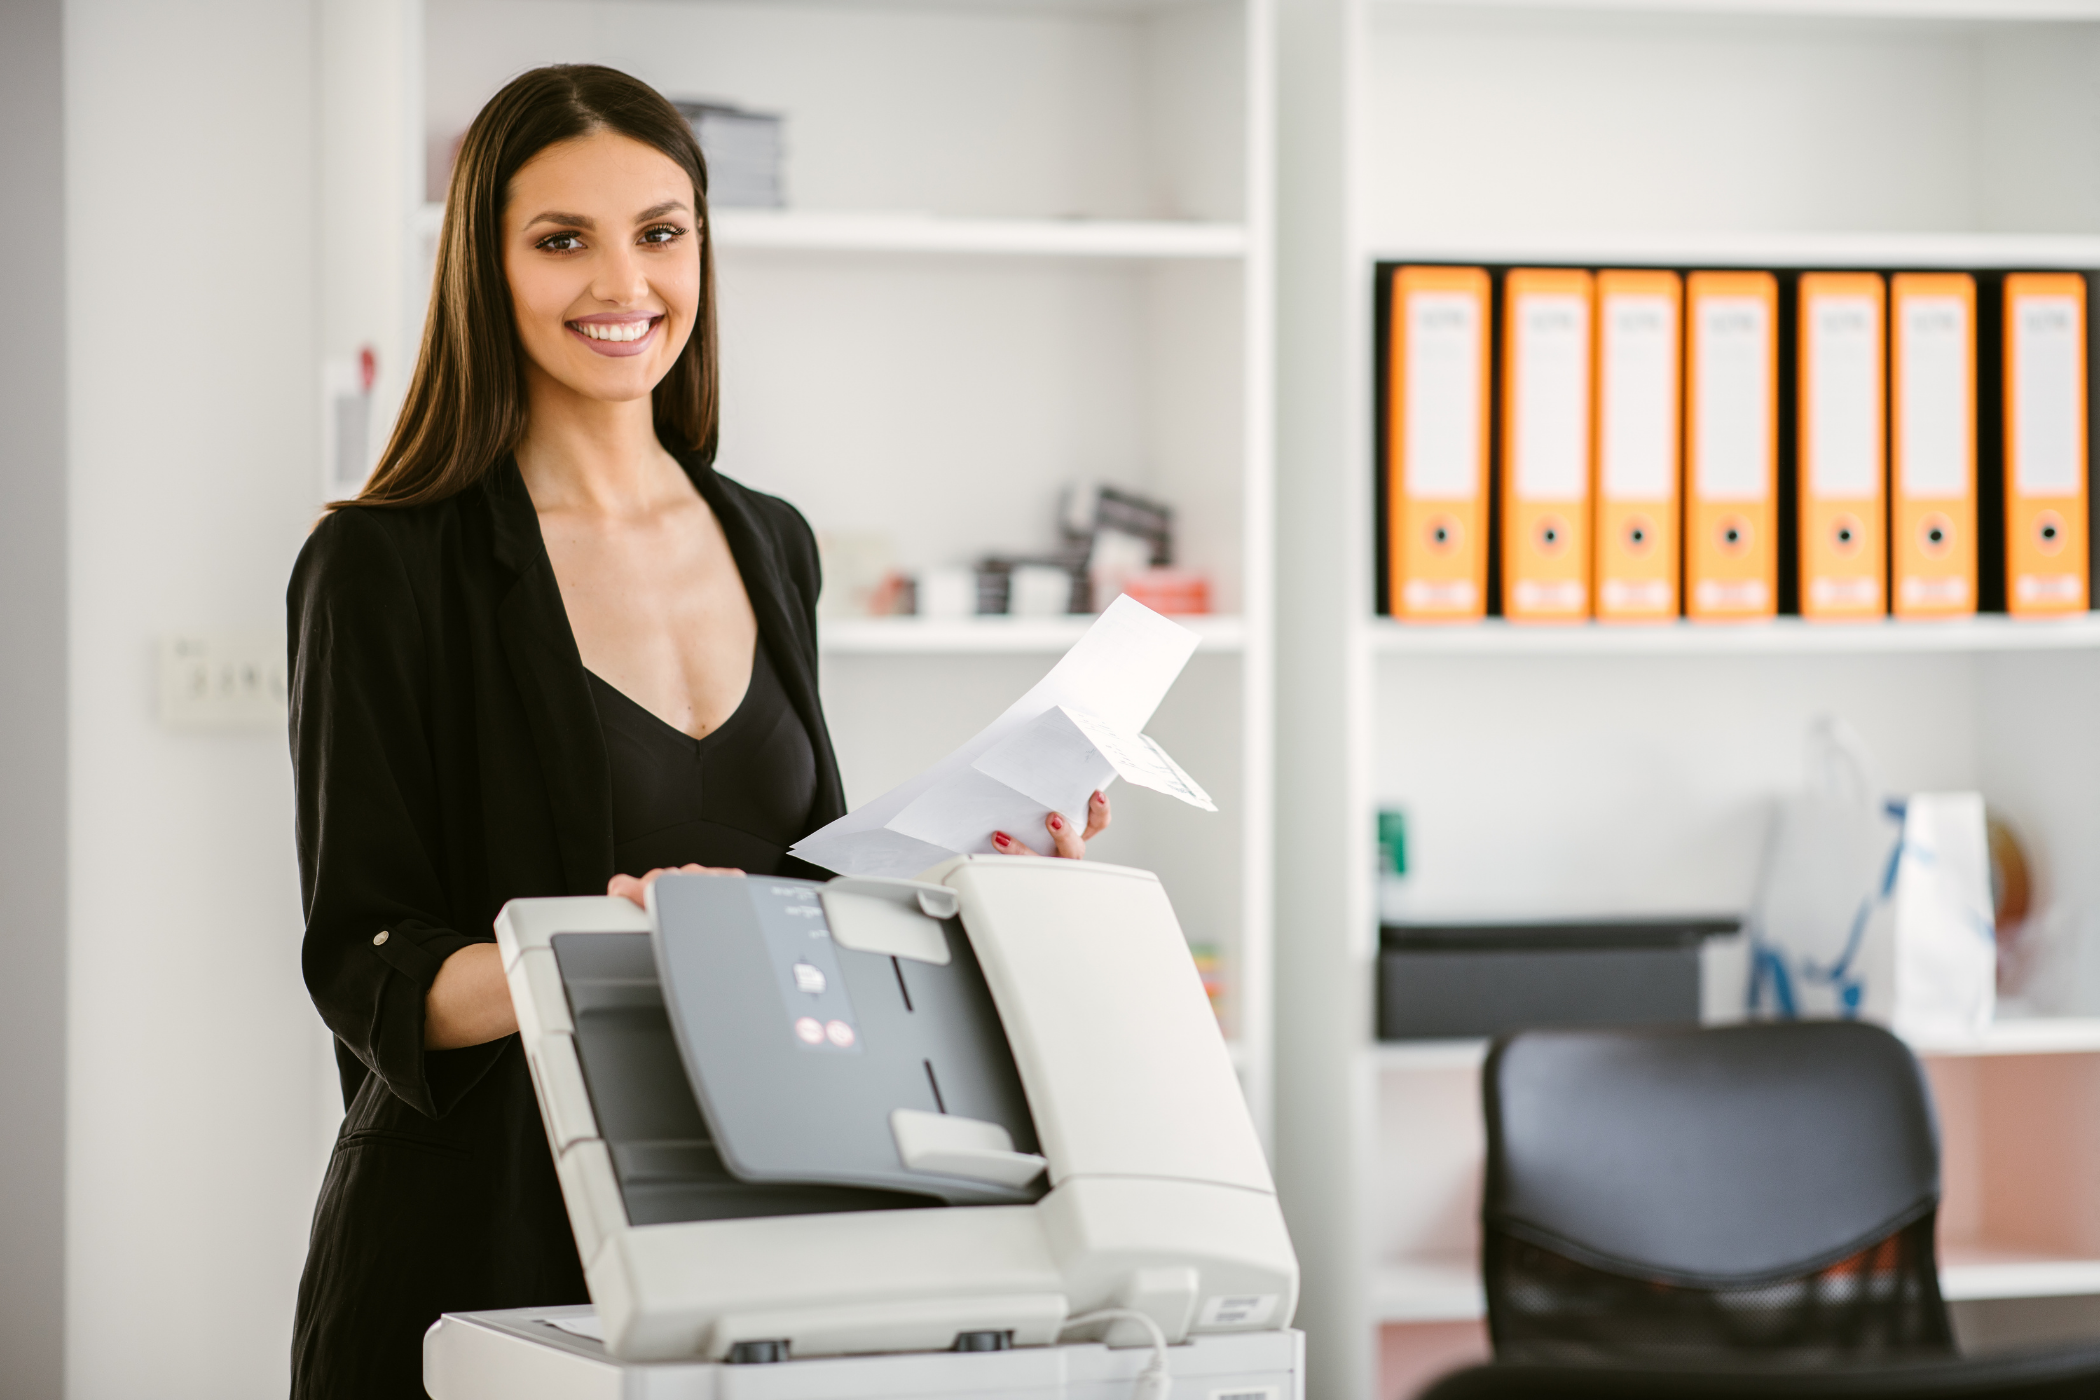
(889, 1125)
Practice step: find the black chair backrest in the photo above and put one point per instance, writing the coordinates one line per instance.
(1672, 1194)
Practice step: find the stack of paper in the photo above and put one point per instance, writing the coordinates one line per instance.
(1076, 731)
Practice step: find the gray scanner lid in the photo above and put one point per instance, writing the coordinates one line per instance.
(799, 1049)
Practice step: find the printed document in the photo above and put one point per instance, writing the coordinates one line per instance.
(1078, 729)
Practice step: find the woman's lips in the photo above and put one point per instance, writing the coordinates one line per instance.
(615, 335)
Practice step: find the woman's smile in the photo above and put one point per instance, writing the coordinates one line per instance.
(617, 332)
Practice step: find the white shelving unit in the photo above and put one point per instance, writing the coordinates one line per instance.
(1025, 244)
(994, 636)
(1592, 769)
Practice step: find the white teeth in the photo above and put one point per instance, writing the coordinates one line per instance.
(615, 330)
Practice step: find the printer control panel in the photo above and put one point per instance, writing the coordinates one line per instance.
(805, 966)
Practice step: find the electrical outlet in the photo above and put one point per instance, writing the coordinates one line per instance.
(232, 680)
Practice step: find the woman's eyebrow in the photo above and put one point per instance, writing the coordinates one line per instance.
(657, 211)
(554, 216)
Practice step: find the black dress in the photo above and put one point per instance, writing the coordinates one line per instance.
(738, 796)
(448, 757)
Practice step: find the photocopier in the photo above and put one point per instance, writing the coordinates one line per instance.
(971, 1134)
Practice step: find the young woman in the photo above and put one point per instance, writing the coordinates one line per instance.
(546, 651)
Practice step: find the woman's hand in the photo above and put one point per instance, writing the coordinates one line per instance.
(1069, 840)
(627, 887)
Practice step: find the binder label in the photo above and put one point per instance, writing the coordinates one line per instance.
(1934, 398)
(1639, 403)
(2047, 407)
(1731, 595)
(1636, 595)
(1844, 426)
(1734, 450)
(1553, 398)
(1443, 420)
(1440, 595)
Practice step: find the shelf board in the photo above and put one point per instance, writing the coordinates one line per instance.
(1446, 1288)
(990, 636)
(1429, 1289)
(1405, 1055)
(1782, 636)
(1833, 250)
(814, 231)
(1970, 1273)
(791, 230)
(2041, 1035)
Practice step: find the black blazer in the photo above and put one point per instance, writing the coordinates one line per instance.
(448, 759)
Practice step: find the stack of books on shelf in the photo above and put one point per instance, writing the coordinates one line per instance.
(1561, 444)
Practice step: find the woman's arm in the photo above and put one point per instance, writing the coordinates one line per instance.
(379, 927)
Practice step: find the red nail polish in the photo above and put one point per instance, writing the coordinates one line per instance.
(1000, 838)
(1057, 823)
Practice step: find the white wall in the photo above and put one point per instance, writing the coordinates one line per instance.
(1507, 122)
(192, 399)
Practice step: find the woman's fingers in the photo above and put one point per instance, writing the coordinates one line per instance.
(1006, 845)
(1070, 844)
(1097, 816)
(628, 887)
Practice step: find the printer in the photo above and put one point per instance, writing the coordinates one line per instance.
(891, 1134)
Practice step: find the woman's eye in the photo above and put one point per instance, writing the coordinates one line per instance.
(663, 233)
(560, 243)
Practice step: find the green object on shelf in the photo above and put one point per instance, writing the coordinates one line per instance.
(1392, 842)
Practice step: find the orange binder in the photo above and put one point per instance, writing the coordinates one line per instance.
(1843, 445)
(1731, 510)
(1932, 516)
(1437, 444)
(2046, 545)
(1638, 320)
(1546, 445)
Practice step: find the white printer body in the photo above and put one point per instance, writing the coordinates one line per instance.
(1125, 1172)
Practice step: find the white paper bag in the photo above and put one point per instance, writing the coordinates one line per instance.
(1871, 906)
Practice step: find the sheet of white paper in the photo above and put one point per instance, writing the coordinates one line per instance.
(1139, 758)
(1119, 672)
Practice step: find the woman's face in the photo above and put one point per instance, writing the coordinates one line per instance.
(601, 247)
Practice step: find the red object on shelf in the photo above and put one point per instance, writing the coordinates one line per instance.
(1170, 590)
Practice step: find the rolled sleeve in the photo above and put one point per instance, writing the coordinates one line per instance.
(378, 926)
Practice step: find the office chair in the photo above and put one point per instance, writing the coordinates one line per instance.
(2058, 1373)
(1751, 1194)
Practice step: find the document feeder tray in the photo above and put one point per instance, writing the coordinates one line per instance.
(711, 1112)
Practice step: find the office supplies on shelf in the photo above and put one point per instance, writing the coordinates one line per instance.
(1639, 315)
(1039, 590)
(1170, 591)
(1546, 445)
(860, 574)
(1075, 731)
(1731, 517)
(744, 151)
(946, 592)
(1449, 979)
(1873, 905)
(1436, 443)
(1843, 458)
(2046, 525)
(1932, 515)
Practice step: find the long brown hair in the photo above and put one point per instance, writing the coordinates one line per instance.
(466, 405)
